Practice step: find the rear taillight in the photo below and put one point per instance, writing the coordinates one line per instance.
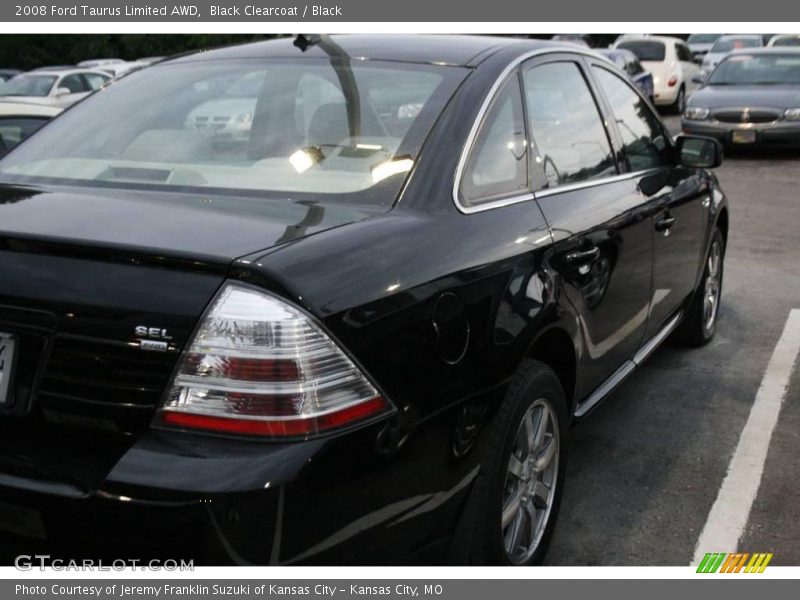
(260, 366)
(672, 81)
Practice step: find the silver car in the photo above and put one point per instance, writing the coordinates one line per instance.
(726, 44)
(59, 87)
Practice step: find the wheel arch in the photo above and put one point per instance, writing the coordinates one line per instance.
(555, 347)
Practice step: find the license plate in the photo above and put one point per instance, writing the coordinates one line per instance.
(8, 344)
(743, 137)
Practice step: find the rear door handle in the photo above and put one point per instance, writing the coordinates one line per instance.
(665, 223)
(582, 257)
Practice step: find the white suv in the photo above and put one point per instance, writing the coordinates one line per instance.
(670, 61)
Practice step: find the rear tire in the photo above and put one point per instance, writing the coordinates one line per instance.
(679, 105)
(700, 324)
(518, 492)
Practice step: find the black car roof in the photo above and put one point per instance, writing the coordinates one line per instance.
(457, 50)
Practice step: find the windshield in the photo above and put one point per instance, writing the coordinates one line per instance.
(729, 44)
(743, 69)
(28, 85)
(303, 126)
(645, 50)
(792, 40)
(703, 38)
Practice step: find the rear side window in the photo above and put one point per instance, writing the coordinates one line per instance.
(566, 125)
(497, 165)
(643, 137)
(646, 50)
(683, 52)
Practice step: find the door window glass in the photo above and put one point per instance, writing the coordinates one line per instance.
(566, 125)
(643, 137)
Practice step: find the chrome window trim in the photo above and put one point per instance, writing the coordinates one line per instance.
(505, 201)
(571, 187)
(476, 124)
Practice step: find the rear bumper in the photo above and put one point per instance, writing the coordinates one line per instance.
(218, 501)
(169, 510)
(171, 496)
(664, 96)
(107, 529)
(780, 134)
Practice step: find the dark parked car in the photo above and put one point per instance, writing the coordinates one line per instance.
(359, 337)
(752, 97)
(628, 62)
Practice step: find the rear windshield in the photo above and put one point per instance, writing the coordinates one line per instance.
(28, 85)
(735, 44)
(744, 69)
(646, 49)
(301, 126)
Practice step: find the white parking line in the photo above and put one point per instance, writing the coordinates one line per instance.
(731, 509)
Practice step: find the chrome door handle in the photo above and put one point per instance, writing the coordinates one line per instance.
(582, 256)
(665, 223)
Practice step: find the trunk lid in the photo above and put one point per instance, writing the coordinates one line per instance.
(79, 273)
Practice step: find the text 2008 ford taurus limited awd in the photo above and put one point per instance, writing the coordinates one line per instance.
(359, 329)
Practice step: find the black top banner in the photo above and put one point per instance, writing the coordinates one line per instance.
(266, 11)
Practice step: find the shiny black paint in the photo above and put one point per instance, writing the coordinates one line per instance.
(98, 262)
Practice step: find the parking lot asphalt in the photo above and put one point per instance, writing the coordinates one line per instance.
(645, 469)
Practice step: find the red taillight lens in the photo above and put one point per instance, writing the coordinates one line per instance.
(289, 427)
(672, 81)
(259, 366)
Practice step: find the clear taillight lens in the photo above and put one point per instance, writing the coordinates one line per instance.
(259, 366)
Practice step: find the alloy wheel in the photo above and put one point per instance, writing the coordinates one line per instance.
(712, 289)
(530, 481)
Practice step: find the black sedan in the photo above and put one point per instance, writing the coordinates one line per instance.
(359, 333)
(751, 98)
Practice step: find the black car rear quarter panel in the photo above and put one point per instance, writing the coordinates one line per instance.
(400, 486)
(376, 284)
